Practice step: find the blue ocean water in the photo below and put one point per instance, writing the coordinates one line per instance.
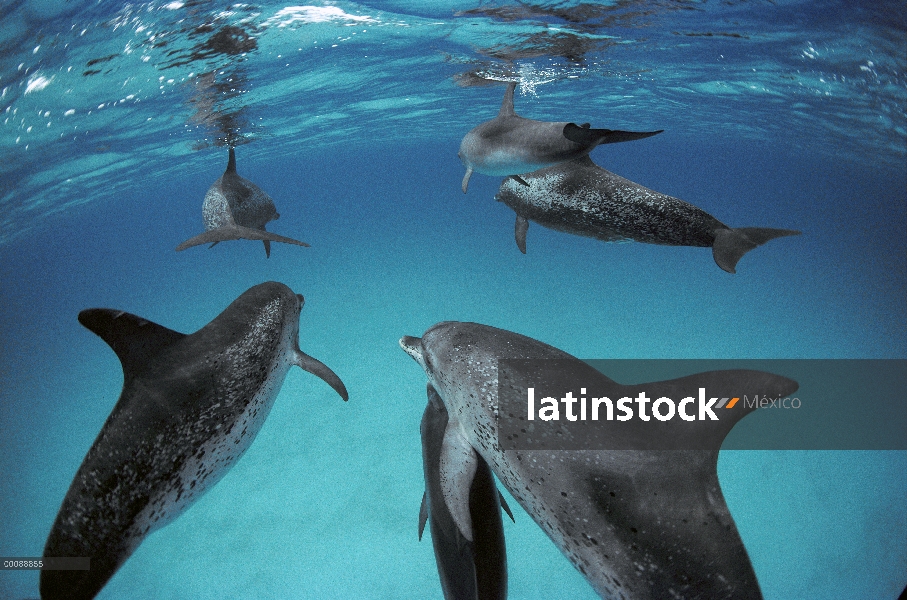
(776, 114)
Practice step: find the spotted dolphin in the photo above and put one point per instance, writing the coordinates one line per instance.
(237, 209)
(190, 407)
(463, 506)
(638, 524)
(510, 145)
(581, 198)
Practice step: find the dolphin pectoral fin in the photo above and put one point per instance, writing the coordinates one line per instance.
(519, 179)
(423, 515)
(593, 137)
(249, 233)
(237, 232)
(519, 232)
(465, 184)
(731, 244)
(321, 371)
(212, 236)
(505, 507)
(132, 338)
(458, 469)
(212, 245)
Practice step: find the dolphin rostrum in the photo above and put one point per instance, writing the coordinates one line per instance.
(510, 145)
(581, 198)
(237, 209)
(190, 407)
(638, 524)
(463, 506)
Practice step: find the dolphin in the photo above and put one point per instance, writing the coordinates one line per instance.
(581, 198)
(510, 145)
(190, 407)
(638, 524)
(464, 507)
(237, 209)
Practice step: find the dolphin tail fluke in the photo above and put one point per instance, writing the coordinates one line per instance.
(594, 137)
(731, 244)
(321, 371)
(519, 232)
(237, 232)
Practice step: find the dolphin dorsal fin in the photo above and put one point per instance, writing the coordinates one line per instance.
(723, 386)
(507, 103)
(231, 162)
(133, 338)
(710, 397)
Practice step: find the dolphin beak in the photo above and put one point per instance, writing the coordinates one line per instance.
(413, 347)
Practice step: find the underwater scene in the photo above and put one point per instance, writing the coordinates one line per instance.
(189, 187)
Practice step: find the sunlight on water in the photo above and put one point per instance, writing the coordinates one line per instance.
(80, 87)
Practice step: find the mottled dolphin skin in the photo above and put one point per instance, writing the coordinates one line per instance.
(510, 145)
(190, 407)
(463, 506)
(237, 209)
(638, 524)
(581, 198)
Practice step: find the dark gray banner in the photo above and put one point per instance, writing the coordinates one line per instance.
(45, 563)
(767, 404)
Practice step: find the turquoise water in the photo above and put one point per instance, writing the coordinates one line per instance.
(790, 115)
